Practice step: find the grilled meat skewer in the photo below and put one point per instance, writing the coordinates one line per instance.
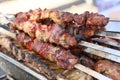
(59, 17)
(52, 33)
(63, 58)
(21, 54)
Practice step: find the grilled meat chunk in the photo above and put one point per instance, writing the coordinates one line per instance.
(94, 19)
(108, 68)
(86, 61)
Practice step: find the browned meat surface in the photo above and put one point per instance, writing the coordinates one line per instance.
(86, 61)
(55, 34)
(108, 68)
(94, 19)
(88, 33)
(63, 58)
(95, 57)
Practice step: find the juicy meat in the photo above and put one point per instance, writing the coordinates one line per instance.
(63, 58)
(108, 68)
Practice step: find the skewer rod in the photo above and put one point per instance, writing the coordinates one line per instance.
(103, 54)
(101, 48)
(91, 72)
(21, 66)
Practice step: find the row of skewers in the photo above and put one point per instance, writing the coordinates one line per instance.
(55, 35)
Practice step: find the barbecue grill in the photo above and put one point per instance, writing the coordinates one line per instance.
(22, 72)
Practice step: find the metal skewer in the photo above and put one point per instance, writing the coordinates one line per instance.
(91, 72)
(21, 66)
(116, 44)
(101, 48)
(115, 35)
(102, 54)
(112, 20)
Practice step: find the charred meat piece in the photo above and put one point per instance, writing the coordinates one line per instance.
(108, 68)
(96, 19)
(31, 15)
(79, 19)
(86, 61)
(63, 58)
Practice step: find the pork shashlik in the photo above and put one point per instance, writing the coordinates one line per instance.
(63, 58)
(52, 33)
(59, 17)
